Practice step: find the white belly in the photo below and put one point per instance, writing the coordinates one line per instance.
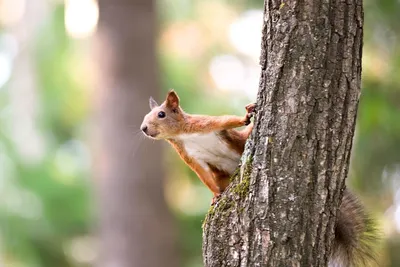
(210, 148)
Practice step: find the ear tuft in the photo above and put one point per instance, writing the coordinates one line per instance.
(152, 103)
(172, 100)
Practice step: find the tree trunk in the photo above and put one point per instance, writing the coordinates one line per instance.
(136, 228)
(280, 210)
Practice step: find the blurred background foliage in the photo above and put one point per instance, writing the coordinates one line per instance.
(208, 51)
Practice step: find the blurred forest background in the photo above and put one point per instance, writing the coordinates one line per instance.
(207, 50)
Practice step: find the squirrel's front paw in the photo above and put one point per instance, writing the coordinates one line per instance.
(250, 108)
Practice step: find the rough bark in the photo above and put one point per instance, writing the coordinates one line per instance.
(280, 209)
(136, 228)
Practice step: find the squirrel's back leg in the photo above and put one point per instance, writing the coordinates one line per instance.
(246, 131)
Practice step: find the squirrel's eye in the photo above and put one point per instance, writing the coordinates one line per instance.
(161, 114)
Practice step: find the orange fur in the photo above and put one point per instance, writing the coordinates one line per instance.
(205, 124)
(205, 177)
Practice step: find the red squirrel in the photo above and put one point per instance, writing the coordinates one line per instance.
(212, 147)
(209, 145)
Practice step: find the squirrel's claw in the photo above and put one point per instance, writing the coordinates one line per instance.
(250, 108)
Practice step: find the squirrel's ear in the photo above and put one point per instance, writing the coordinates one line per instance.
(172, 100)
(153, 103)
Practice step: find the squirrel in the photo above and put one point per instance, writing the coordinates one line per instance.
(209, 145)
(212, 147)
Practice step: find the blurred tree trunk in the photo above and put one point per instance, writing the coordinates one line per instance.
(281, 208)
(24, 83)
(136, 227)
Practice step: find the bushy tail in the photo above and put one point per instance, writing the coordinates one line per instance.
(355, 235)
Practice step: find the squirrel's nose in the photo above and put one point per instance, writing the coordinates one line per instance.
(144, 128)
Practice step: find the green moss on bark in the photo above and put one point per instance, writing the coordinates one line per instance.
(224, 205)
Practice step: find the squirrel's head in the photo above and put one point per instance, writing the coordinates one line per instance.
(165, 120)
